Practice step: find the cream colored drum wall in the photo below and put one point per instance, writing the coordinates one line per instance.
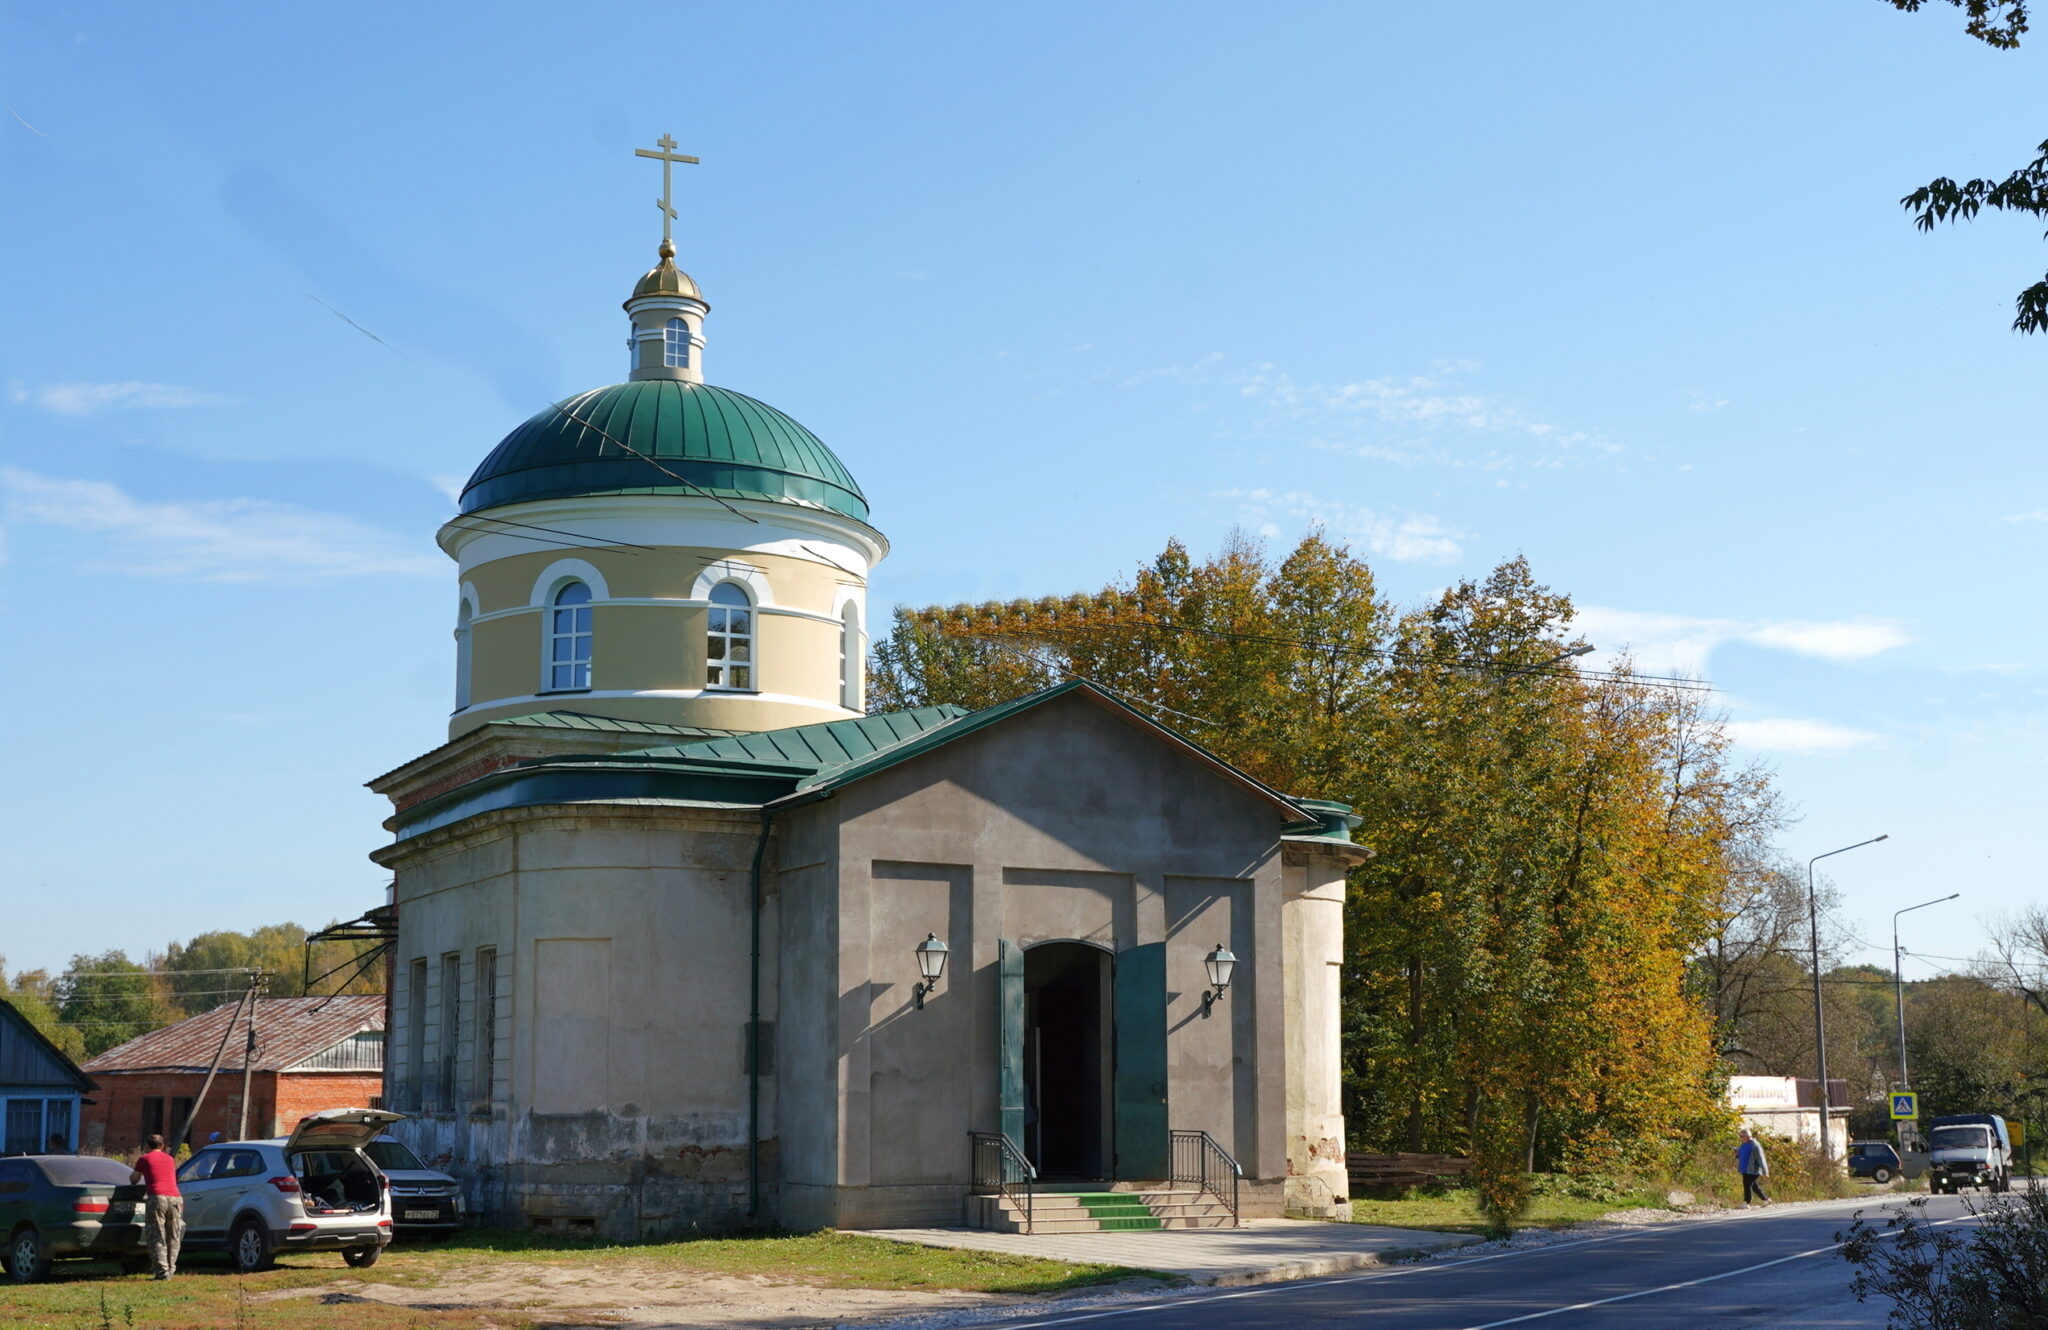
(648, 637)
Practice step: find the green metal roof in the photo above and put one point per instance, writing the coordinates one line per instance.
(577, 720)
(823, 746)
(704, 440)
(776, 768)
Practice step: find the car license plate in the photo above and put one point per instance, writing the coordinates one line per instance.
(421, 1214)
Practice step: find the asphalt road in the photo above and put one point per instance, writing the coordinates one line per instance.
(1762, 1268)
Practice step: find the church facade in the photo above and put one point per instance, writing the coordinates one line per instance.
(687, 938)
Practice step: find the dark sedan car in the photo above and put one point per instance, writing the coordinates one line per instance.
(64, 1207)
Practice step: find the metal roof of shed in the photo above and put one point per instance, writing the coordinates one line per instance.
(288, 1031)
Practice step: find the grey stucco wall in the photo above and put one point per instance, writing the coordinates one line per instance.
(1064, 823)
(619, 1095)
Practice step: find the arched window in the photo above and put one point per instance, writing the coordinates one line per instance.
(462, 617)
(850, 657)
(729, 639)
(675, 345)
(569, 638)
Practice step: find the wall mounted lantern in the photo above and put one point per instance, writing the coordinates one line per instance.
(1221, 963)
(931, 963)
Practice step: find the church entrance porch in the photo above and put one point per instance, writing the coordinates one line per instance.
(1082, 1059)
(1068, 1037)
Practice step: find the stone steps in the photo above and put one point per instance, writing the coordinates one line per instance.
(1099, 1211)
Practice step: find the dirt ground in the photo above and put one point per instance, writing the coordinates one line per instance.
(556, 1297)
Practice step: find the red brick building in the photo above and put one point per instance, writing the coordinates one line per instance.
(310, 1053)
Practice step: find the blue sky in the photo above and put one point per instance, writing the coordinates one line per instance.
(1621, 287)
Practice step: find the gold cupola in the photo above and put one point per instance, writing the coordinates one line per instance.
(665, 279)
(667, 310)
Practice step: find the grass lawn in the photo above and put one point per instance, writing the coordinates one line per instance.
(828, 1259)
(205, 1296)
(1456, 1212)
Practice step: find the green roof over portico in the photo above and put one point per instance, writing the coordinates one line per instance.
(776, 769)
(700, 439)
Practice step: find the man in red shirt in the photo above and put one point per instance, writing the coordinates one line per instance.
(158, 1173)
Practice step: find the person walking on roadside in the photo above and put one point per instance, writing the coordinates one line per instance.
(1754, 1168)
(158, 1173)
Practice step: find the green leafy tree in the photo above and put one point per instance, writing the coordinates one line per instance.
(1549, 851)
(1999, 24)
(33, 994)
(110, 999)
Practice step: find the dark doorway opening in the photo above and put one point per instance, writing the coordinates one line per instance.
(1067, 1042)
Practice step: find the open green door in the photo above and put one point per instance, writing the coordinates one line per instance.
(1141, 1127)
(1010, 1039)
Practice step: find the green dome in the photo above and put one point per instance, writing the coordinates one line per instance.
(712, 439)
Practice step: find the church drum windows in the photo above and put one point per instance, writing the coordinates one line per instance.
(729, 640)
(568, 663)
(675, 345)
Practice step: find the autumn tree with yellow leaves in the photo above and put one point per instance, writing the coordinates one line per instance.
(1551, 848)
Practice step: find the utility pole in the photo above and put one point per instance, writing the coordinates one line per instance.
(213, 1068)
(1899, 997)
(1820, 1031)
(249, 1056)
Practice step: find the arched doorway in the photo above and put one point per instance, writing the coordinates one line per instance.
(1069, 1036)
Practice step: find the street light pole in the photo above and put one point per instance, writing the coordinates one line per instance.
(1899, 985)
(1820, 1029)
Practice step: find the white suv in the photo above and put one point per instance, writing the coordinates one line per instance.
(314, 1190)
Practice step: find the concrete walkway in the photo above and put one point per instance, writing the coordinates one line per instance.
(1264, 1251)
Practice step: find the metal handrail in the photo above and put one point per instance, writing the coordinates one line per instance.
(1197, 1158)
(1000, 1167)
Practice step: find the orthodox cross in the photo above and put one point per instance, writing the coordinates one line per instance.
(668, 157)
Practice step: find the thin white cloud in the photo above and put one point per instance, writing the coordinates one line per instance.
(1682, 644)
(2038, 515)
(1702, 400)
(1416, 538)
(209, 540)
(1843, 640)
(1417, 419)
(80, 399)
(1201, 371)
(1792, 735)
(450, 483)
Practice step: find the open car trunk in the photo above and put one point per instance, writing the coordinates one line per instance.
(336, 1182)
(341, 1128)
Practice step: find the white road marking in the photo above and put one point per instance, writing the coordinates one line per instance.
(1179, 1303)
(1693, 1283)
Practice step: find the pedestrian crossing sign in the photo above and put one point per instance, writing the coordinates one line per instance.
(1905, 1106)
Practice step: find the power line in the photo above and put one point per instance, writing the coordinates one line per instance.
(1071, 674)
(598, 541)
(147, 974)
(538, 540)
(1382, 653)
(628, 448)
